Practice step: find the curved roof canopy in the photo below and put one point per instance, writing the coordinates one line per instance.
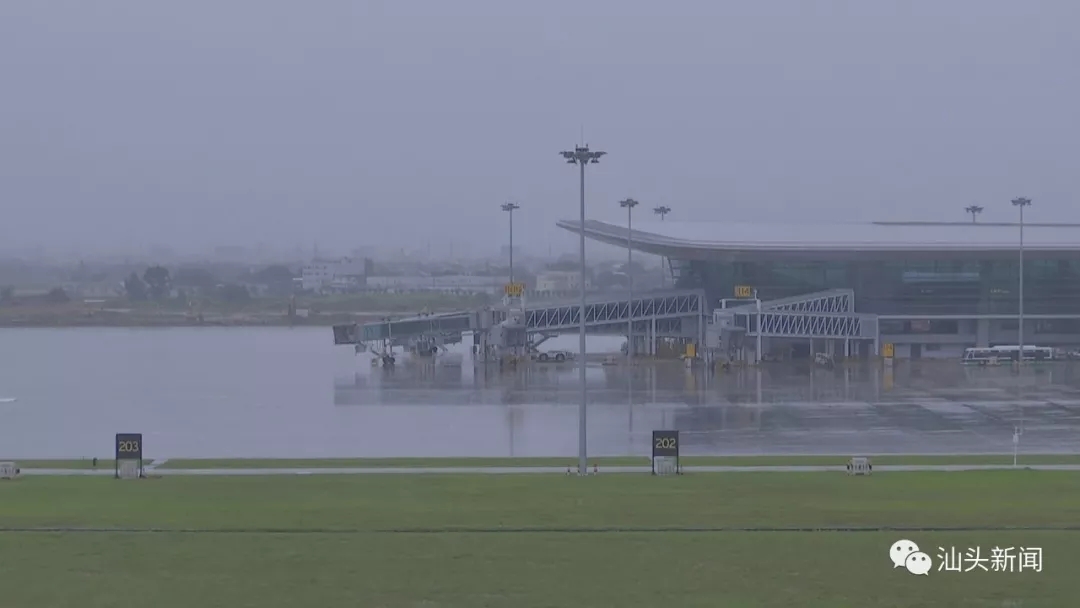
(703, 240)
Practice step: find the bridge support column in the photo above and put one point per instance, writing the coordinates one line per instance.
(699, 348)
(485, 347)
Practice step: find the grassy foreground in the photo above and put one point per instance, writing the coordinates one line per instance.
(528, 541)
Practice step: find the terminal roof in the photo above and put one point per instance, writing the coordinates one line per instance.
(675, 238)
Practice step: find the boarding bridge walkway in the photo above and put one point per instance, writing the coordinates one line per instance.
(410, 327)
(665, 313)
(823, 314)
(673, 313)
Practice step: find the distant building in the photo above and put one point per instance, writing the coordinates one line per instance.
(101, 289)
(553, 282)
(459, 283)
(345, 274)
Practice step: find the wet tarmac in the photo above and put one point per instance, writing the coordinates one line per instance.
(281, 393)
(929, 407)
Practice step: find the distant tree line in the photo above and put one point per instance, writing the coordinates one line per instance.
(56, 295)
(157, 283)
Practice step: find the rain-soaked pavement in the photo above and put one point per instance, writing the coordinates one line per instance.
(280, 393)
(928, 407)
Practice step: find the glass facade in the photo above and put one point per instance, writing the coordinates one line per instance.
(896, 286)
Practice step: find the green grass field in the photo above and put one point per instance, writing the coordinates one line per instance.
(529, 540)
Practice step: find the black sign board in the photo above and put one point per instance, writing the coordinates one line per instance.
(665, 444)
(129, 446)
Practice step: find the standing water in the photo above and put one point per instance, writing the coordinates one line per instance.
(290, 393)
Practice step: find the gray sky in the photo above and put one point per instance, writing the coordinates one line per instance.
(202, 122)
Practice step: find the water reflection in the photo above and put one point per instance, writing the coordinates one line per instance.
(670, 382)
(929, 407)
(259, 392)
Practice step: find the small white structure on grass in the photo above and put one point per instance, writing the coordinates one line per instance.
(9, 470)
(859, 465)
(128, 469)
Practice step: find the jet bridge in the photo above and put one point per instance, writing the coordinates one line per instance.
(666, 313)
(827, 315)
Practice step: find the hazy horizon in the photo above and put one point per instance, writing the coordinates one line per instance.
(197, 124)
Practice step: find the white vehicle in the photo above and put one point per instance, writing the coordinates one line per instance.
(996, 355)
(553, 355)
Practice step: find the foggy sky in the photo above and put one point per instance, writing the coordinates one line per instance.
(198, 123)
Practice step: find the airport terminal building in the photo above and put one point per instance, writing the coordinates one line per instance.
(933, 288)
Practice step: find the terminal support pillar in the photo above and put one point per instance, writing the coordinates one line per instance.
(982, 333)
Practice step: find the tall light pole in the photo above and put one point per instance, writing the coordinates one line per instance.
(1021, 202)
(509, 208)
(629, 205)
(582, 155)
(757, 349)
(662, 210)
(973, 210)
